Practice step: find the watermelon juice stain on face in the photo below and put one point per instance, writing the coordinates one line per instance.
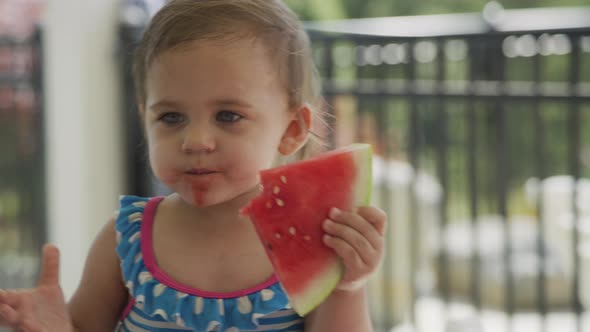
(200, 186)
(199, 200)
(200, 189)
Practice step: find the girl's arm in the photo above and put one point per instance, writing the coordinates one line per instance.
(101, 297)
(342, 311)
(357, 238)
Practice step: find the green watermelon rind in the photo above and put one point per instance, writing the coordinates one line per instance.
(363, 159)
(319, 289)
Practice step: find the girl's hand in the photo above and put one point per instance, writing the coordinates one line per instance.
(357, 237)
(41, 309)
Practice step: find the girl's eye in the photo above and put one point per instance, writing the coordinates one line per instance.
(227, 116)
(172, 118)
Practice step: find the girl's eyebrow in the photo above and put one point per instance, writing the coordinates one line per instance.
(229, 102)
(221, 102)
(164, 103)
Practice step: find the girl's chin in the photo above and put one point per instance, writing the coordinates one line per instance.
(208, 195)
(201, 200)
(209, 199)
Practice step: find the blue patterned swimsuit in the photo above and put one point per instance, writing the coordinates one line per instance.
(159, 303)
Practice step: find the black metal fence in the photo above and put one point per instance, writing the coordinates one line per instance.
(22, 161)
(482, 124)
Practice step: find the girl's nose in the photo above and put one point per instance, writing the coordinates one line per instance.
(198, 141)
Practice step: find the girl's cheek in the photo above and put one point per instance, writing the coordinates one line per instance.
(166, 176)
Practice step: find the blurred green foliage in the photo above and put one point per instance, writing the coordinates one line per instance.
(342, 9)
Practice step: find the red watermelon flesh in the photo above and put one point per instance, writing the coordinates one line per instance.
(289, 213)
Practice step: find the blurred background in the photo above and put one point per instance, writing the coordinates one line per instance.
(479, 113)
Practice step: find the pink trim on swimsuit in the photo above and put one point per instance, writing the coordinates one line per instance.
(149, 259)
(128, 308)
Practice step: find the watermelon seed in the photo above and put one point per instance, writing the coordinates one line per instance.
(277, 235)
(269, 246)
(292, 230)
(283, 179)
(268, 205)
(280, 202)
(307, 238)
(276, 190)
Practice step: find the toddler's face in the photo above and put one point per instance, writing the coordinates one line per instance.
(214, 116)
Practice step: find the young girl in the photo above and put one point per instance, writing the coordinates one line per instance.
(225, 89)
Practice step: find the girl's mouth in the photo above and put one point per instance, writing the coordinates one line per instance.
(200, 171)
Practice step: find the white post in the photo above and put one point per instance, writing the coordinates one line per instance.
(84, 141)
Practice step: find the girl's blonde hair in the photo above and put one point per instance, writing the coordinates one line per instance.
(181, 22)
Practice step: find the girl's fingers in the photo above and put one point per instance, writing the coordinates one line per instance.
(3, 293)
(8, 315)
(357, 238)
(359, 224)
(11, 298)
(50, 266)
(376, 216)
(351, 259)
(31, 325)
(351, 245)
(356, 243)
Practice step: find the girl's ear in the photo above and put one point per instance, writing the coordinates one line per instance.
(297, 131)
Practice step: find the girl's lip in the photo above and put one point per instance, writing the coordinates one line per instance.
(200, 171)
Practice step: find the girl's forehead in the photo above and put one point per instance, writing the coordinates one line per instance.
(207, 68)
(248, 58)
(239, 44)
(238, 55)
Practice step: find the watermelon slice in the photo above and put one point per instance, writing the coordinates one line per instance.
(289, 213)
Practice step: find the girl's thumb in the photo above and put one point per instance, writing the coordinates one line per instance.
(49, 266)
